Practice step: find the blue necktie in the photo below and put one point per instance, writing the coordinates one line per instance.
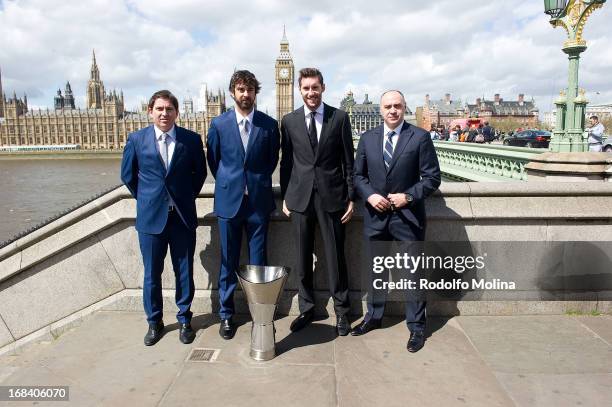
(388, 153)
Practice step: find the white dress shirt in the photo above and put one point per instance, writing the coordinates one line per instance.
(318, 119)
(170, 141)
(394, 138)
(240, 120)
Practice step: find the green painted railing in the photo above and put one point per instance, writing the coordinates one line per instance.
(484, 162)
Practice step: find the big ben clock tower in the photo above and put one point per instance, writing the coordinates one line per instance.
(284, 80)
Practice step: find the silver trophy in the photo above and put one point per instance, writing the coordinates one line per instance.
(263, 286)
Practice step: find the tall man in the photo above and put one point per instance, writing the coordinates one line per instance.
(164, 168)
(396, 168)
(317, 186)
(242, 153)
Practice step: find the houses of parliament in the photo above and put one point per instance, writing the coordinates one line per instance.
(104, 123)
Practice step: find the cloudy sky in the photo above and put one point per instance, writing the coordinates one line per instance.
(468, 48)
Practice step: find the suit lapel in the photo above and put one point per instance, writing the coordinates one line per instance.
(378, 155)
(303, 130)
(179, 147)
(255, 130)
(404, 137)
(151, 139)
(327, 115)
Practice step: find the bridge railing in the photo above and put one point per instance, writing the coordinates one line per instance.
(484, 162)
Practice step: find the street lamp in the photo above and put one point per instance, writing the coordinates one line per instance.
(572, 16)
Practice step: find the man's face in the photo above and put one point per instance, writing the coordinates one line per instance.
(311, 90)
(593, 122)
(163, 114)
(392, 109)
(244, 96)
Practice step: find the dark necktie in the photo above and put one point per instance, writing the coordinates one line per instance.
(388, 153)
(312, 132)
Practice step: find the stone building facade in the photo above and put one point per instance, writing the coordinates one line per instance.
(103, 124)
(284, 77)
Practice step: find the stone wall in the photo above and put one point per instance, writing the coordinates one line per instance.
(89, 259)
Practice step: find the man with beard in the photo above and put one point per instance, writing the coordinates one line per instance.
(242, 153)
(317, 186)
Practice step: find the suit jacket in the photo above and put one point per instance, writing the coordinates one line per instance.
(143, 172)
(414, 170)
(233, 169)
(330, 170)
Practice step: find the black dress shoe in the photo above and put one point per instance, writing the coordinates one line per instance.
(343, 326)
(186, 334)
(227, 329)
(416, 341)
(302, 320)
(366, 326)
(154, 334)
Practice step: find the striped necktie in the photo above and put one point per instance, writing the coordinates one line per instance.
(388, 152)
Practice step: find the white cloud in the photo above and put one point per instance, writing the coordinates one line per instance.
(468, 48)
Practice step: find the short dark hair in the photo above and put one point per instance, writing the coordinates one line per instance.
(245, 77)
(486, 123)
(310, 73)
(594, 117)
(164, 94)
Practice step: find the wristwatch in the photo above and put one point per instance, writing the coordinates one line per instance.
(409, 198)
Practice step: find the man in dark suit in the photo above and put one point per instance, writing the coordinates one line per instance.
(316, 186)
(396, 168)
(242, 153)
(164, 168)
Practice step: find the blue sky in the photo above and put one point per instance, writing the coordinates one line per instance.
(468, 48)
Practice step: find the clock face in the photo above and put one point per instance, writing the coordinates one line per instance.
(284, 73)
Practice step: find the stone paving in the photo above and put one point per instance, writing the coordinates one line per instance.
(467, 361)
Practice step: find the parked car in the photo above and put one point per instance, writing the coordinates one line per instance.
(528, 138)
(607, 144)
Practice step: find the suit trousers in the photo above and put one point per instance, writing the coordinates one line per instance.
(332, 231)
(153, 248)
(398, 229)
(230, 234)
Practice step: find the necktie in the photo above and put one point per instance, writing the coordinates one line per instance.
(163, 149)
(244, 134)
(312, 132)
(388, 152)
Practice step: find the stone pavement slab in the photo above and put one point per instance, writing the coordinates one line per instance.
(467, 361)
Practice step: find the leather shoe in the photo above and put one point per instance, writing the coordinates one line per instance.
(154, 334)
(416, 341)
(227, 329)
(343, 326)
(302, 320)
(366, 326)
(186, 334)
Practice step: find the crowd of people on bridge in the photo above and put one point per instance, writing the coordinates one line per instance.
(481, 133)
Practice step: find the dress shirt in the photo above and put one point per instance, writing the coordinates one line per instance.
(240, 120)
(170, 141)
(318, 119)
(394, 138)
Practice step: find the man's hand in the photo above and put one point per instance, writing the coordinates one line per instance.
(379, 202)
(397, 200)
(285, 210)
(349, 213)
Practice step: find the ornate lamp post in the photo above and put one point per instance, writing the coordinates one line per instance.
(571, 15)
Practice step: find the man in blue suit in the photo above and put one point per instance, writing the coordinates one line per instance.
(396, 168)
(164, 168)
(242, 153)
